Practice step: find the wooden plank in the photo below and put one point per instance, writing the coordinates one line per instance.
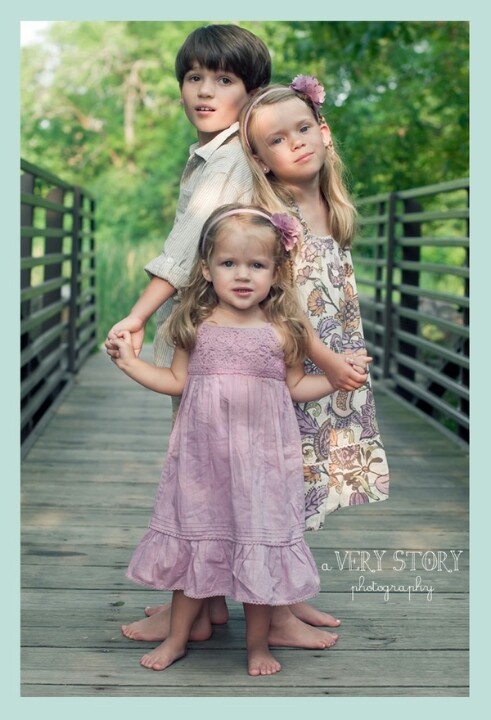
(326, 669)
(68, 619)
(53, 690)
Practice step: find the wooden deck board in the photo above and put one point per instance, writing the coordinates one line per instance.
(87, 491)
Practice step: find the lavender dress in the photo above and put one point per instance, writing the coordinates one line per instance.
(229, 513)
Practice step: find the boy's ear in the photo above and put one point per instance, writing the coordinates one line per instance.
(262, 165)
(206, 271)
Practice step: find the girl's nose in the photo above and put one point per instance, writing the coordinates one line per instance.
(297, 141)
(242, 272)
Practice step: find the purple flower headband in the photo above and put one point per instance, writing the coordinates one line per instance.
(310, 86)
(306, 84)
(289, 227)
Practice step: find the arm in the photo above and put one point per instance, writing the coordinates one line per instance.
(339, 368)
(304, 388)
(154, 295)
(169, 381)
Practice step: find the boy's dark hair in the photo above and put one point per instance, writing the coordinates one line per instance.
(229, 48)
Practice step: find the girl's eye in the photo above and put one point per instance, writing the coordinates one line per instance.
(257, 265)
(227, 263)
(304, 129)
(225, 81)
(276, 141)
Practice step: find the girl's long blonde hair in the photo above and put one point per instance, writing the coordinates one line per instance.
(269, 191)
(198, 298)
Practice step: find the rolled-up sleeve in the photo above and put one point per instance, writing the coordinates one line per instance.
(225, 178)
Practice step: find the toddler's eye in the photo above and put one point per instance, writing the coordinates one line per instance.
(227, 263)
(257, 265)
(225, 81)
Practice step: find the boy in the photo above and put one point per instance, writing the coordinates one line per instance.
(217, 67)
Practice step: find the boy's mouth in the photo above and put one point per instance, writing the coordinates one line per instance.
(204, 108)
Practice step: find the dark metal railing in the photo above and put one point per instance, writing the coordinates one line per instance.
(58, 290)
(412, 265)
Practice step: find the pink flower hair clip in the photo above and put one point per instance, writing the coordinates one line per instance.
(310, 86)
(289, 227)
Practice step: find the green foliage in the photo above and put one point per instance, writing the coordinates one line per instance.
(99, 108)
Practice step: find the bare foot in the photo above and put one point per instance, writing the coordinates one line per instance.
(261, 662)
(288, 631)
(218, 611)
(312, 616)
(157, 626)
(163, 655)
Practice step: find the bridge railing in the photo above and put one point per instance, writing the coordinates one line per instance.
(58, 290)
(412, 265)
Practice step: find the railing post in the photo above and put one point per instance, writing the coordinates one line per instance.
(53, 245)
(389, 284)
(74, 283)
(409, 277)
(464, 404)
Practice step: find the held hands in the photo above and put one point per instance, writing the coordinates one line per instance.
(348, 370)
(132, 325)
(123, 350)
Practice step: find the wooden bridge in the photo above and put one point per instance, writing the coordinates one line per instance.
(395, 573)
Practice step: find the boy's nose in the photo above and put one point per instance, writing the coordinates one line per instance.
(207, 88)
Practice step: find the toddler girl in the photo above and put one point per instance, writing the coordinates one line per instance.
(228, 518)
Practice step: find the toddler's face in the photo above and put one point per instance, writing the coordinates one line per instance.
(242, 266)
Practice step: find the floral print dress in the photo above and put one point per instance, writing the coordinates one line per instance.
(344, 458)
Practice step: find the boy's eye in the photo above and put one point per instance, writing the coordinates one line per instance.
(304, 128)
(225, 81)
(193, 78)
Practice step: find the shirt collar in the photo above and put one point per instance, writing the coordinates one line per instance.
(206, 151)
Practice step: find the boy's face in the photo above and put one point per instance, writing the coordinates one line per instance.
(212, 100)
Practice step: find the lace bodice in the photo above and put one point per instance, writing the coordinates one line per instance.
(237, 350)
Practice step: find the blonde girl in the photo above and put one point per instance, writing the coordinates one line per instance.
(296, 168)
(228, 517)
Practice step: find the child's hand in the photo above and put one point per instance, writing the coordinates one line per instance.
(131, 324)
(124, 352)
(358, 359)
(342, 374)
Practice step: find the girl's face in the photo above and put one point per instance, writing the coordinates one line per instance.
(242, 265)
(289, 141)
(212, 100)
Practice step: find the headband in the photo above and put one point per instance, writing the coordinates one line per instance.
(306, 84)
(289, 227)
